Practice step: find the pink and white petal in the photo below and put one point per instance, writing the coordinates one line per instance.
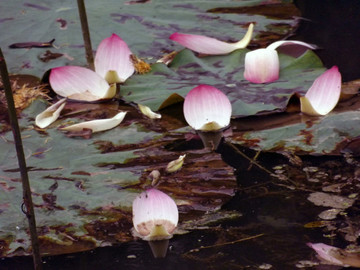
(262, 66)
(113, 55)
(80, 83)
(155, 215)
(97, 125)
(207, 108)
(326, 253)
(279, 43)
(293, 48)
(50, 115)
(211, 46)
(325, 92)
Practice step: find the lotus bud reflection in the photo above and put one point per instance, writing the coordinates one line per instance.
(262, 65)
(208, 111)
(155, 215)
(211, 46)
(324, 93)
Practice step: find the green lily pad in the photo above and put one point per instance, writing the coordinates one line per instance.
(80, 185)
(226, 73)
(325, 135)
(145, 27)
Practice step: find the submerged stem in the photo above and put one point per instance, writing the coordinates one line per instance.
(22, 163)
(252, 161)
(86, 34)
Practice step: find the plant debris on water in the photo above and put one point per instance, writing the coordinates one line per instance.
(280, 191)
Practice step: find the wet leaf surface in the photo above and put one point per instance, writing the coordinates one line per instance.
(256, 212)
(83, 188)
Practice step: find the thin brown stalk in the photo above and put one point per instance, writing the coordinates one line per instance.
(86, 33)
(29, 208)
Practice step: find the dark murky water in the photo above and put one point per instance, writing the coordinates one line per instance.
(272, 212)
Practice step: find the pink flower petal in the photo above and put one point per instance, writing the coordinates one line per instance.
(112, 60)
(208, 45)
(262, 66)
(80, 83)
(324, 93)
(326, 252)
(294, 48)
(153, 209)
(207, 108)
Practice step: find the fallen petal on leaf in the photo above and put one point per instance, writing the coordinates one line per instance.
(336, 256)
(50, 115)
(155, 215)
(145, 110)
(206, 108)
(175, 165)
(262, 66)
(212, 46)
(112, 60)
(324, 93)
(97, 125)
(295, 43)
(80, 83)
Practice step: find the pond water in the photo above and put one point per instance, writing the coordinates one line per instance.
(275, 219)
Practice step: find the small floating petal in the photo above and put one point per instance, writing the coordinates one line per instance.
(262, 66)
(98, 125)
(155, 215)
(175, 165)
(326, 252)
(80, 84)
(145, 110)
(206, 108)
(112, 60)
(50, 115)
(324, 93)
(212, 46)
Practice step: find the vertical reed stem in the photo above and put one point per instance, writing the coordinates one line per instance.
(22, 163)
(86, 34)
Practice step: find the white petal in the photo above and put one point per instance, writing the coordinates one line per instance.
(80, 84)
(145, 110)
(98, 125)
(155, 215)
(207, 108)
(176, 164)
(324, 93)
(50, 115)
(262, 66)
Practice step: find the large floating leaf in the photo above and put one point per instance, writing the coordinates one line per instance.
(80, 185)
(302, 134)
(145, 27)
(225, 73)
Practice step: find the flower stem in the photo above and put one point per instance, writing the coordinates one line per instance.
(86, 34)
(29, 208)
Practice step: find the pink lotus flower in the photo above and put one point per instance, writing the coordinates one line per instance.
(207, 108)
(112, 65)
(208, 45)
(155, 215)
(80, 83)
(112, 60)
(328, 253)
(324, 93)
(262, 65)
